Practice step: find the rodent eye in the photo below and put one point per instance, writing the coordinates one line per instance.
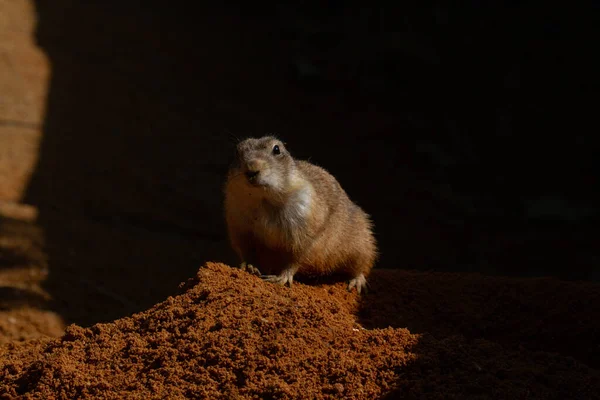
(276, 150)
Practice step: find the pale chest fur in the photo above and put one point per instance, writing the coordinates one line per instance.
(284, 225)
(275, 221)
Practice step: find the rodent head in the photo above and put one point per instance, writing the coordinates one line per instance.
(264, 163)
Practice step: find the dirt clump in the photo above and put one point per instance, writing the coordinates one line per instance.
(230, 335)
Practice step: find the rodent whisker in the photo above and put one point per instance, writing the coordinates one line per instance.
(232, 137)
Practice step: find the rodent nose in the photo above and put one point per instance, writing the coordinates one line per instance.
(253, 168)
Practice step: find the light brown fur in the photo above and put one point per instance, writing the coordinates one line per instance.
(286, 216)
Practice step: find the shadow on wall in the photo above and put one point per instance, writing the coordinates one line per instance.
(136, 146)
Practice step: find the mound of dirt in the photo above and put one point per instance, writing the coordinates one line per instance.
(230, 335)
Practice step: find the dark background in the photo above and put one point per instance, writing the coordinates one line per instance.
(467, 132)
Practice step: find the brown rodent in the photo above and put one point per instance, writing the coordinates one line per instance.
(286, 216)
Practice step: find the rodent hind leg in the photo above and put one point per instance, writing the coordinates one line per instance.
(285, 277)
(360, 283)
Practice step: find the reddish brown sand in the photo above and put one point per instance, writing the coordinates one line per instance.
(230, 335)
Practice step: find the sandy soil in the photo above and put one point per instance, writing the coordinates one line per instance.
(230, 335)
(114, 140)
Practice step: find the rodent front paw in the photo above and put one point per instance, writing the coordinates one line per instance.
(250, 269)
